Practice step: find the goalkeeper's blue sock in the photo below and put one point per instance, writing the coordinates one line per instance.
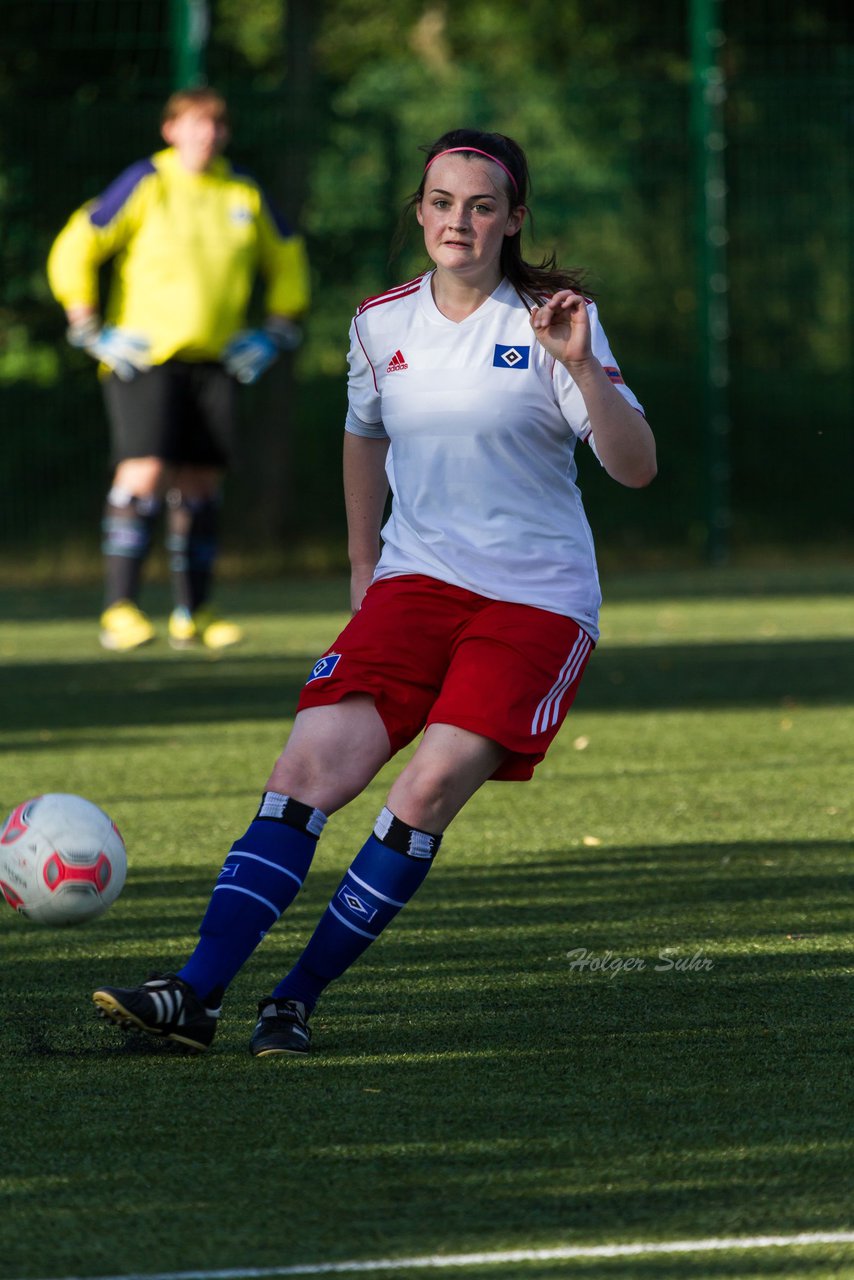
(127, 528)
(261, 876)
(191, 540)
(383, 877)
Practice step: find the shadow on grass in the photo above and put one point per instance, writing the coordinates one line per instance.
(329, 592)
(61, 603)
(482, 941)
(469, 1088)
(55, 696)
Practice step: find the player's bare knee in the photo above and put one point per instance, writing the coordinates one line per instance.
(333, 752)
(318, 777)
(298, 775)
(420, 796)
(141, 476)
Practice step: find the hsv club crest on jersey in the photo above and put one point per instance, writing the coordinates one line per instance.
(510, 357)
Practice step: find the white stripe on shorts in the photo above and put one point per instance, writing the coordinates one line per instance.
(547, 713)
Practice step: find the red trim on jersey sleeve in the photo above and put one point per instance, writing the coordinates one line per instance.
(391, 295)
(364, 352)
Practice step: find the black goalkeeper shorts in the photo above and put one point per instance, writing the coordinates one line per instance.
(177, 411)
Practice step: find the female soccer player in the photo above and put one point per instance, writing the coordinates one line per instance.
(475, 608)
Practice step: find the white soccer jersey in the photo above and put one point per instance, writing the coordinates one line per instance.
(483, 424)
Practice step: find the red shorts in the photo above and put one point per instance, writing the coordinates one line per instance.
(431, 653)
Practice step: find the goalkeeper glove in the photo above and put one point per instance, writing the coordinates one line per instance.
(251, 352)
(126, 354)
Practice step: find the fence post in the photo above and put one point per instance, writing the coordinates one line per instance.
(708, 102)
(190, 25)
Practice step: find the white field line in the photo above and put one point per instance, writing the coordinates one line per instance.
(499, 1258)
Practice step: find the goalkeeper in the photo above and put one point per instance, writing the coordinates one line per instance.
(186, 235)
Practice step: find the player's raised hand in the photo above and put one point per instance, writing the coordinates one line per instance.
(562, 326)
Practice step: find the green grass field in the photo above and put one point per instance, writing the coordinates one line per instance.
(618, 1011)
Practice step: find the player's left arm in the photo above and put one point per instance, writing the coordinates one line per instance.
(283, 262)
(624, 441)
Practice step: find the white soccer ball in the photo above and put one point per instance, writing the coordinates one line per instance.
(62, 860)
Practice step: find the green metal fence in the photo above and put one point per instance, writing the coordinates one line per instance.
(716, 221)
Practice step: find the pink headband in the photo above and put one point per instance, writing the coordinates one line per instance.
(477, 151)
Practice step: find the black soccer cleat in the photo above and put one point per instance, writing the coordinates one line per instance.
(163, 1006)
(281, 1028)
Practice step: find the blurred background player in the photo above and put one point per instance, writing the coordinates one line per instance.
(187, 235)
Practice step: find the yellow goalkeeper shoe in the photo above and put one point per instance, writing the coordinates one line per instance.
(124, 627)
(204, 627)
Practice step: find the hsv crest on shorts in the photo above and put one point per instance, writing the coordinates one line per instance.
(324, 667)
(397, 363)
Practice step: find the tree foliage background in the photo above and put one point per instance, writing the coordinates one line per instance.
(332, 100)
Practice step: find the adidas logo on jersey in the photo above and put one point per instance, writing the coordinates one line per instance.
(397, 363)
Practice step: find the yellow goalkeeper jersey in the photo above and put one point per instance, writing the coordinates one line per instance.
(185, 250)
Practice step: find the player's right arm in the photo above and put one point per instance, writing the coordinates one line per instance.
(365, 493)
(94, 233)
(366, 483)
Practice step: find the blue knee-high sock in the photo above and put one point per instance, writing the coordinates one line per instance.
(191, 541)
(382, 878)
(261, 876)
(127, 529)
